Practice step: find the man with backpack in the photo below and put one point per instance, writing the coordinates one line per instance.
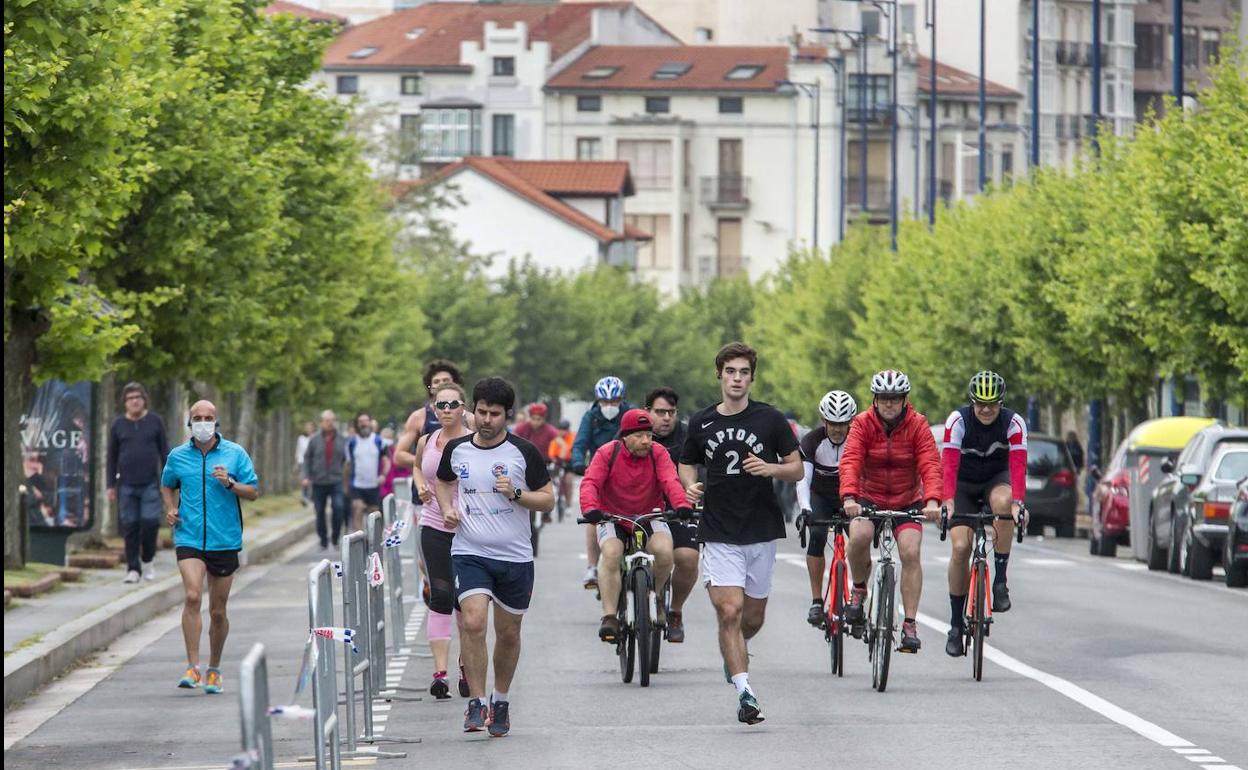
(367, 464)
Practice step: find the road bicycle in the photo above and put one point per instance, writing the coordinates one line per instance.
(881, 604)
(835, 589)
(640, 634)
(977, 620)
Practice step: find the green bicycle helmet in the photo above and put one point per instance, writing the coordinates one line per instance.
(986, 387)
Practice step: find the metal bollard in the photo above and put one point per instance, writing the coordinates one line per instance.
(355, 615)
(325, 677)
(253, 702)
(394, 576)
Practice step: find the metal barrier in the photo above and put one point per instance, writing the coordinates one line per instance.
(376, 632)
(325, 675)
(393, 560)
(253, 701)
(355, 614)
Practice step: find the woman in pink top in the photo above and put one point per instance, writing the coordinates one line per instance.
(435, 538)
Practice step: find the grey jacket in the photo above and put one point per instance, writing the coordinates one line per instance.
(314, 465)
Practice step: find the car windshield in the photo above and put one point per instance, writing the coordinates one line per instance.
(1044, 457)
(1232, 467)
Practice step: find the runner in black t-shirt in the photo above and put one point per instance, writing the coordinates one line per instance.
(744, 445)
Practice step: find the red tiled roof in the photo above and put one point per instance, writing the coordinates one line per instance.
(539, 180)
(955, 82)
(295, 9)
(709, 66)
(429, 35)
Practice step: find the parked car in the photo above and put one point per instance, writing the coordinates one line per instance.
(1204, 517)
(1051, 483)
(1172, 495)
(1110, 508)
(1235, 548)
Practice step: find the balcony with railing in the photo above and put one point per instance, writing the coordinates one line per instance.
(726, 192)
(877, 192)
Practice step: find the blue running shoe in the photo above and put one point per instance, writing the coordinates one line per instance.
(500, 718)
(748, 710)
(474, 717)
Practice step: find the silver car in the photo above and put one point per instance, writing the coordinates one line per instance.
(1167, 524)
(1206, 515)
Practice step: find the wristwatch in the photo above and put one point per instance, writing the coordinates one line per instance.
(516, 494)
(230, 485)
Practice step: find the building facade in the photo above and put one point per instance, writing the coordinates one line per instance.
(1206, 27)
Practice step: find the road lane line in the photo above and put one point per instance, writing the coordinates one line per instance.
(1193, 751)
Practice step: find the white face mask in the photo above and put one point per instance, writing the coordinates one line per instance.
(610, 411)
(203, 431)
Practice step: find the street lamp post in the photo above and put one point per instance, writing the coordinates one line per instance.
(811, 90)
(1096, 76)
(913, 114)
(983, 95)
(931, 151)
(858, 39)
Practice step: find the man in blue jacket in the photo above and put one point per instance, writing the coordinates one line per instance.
(202, 484)
(599, 426)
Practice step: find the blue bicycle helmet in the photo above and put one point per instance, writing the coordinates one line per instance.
(609, 388)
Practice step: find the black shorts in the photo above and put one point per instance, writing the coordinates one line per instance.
(368, 496)
(219, 563)
(971, 496)
(684, 535)
(823, 509)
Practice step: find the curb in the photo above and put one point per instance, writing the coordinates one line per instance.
(31, 668)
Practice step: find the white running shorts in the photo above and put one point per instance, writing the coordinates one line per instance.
(747, 566)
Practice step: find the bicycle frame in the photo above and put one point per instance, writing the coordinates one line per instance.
(886, 543)
(833, 586)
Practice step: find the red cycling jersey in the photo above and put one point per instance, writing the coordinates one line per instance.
(891, 469)
(635, 486)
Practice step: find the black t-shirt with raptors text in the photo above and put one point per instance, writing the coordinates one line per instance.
(739, 508)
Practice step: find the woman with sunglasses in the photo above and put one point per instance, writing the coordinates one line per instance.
(435, 538)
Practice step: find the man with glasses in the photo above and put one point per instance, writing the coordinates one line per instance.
(137, 448)
(670, 432)
(985, 460)
(890, 462)
(819, 491)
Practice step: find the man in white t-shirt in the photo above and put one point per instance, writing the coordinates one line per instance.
(367, 464)
(500, 477)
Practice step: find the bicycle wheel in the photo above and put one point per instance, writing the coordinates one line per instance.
(977, 622)
(641, 624)
(656, 634)
(883, 637)
(835, 620)
(625, 644)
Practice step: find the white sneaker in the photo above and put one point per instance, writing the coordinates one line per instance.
(149, 571)
(591, 577)
(131, 577)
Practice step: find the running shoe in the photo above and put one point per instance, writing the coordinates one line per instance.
(748, 710)
(590, 581)
(474, 717)
(191, 679)
(149, 571)
(212, 683)
(909, 637)
(854, 614)
(1000, 597)
(675, 627)
(953, 643)
(440, 689)
(500, 718)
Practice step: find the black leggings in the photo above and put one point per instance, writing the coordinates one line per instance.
(435, 549)
(824, 509)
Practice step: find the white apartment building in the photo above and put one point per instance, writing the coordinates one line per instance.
(736, 22)
(455, 79)
(721, 150)
(1065, 63)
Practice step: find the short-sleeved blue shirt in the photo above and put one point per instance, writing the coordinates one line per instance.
(212, 516)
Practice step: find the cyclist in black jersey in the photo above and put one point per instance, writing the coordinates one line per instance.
(819, 491)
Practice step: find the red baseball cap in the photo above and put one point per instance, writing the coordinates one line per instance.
(538, 409)
(635, 421)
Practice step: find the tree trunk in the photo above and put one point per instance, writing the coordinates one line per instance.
(24, 327)
(245, 429)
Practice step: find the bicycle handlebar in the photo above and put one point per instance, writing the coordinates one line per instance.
(668, 515)
(1020, 528)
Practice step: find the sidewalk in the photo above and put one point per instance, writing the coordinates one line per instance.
(46, 635)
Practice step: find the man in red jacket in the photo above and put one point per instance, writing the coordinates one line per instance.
(630, 476)
(890, 462)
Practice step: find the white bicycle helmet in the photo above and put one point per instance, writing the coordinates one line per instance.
(838, 406)
(609, 388)
(890, 382)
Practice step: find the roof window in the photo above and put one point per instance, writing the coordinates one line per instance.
(744, 72)
(671, 71)
(600, 73)
(364, 53)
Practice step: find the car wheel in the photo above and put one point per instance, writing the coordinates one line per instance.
(1199, 560)
(1174, 554)
(1156, 555)
(1236, 575)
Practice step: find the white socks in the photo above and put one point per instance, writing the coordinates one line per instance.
(741, 682)
(499, 697)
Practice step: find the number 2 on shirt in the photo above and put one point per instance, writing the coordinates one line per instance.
(734, 463)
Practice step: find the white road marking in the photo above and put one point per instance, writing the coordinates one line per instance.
(1048, 562)
(1192, 751)
(1132, 566)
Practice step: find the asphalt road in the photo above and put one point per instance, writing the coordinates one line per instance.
(1100, 664)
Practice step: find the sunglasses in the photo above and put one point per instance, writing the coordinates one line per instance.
(446, 405)
(665, 412)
